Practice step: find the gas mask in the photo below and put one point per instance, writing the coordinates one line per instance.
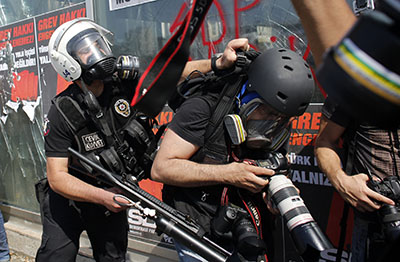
(258, 125)
(93, 54)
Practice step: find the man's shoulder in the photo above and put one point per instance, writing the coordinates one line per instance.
(202, 103)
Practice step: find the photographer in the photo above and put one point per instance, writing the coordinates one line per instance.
(88, 117)
(368, 123)
(208, 183)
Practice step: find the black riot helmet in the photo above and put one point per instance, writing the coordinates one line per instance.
(280, 86)
(283, 80)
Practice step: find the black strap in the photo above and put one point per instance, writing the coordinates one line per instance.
(343, 229)
(215, 131)
(159, 80)
(348, 169)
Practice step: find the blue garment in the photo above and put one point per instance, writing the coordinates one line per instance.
(187, 255)
(4, 251)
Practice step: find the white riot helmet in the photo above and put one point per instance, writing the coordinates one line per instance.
(81, 48)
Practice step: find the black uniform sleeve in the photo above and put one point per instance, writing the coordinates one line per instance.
(335, 113)
(191, 120)
(58, 136)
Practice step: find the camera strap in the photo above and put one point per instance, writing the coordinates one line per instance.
(255, 216)
(159, 80)
(348, 169)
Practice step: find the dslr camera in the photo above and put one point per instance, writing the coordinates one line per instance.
(389, 215)
(308, 238)
(234, 222)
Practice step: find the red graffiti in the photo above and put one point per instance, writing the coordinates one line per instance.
(211, 44)
(237, 9)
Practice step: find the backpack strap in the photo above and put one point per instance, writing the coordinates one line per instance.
(215, 143)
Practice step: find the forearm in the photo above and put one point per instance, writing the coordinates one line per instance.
(330, 164)
(186, 173)
(75, 189)
(203, 66)
(325, 23)
(69, 186)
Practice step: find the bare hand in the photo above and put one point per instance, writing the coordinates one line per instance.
(110, 204)
(229, 56)
(246, 176)
(355, 191)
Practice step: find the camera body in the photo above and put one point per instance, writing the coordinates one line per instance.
(275, 161)
(234, 223)
(389, 215)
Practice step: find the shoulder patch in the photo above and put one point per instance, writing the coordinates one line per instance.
(122, 107)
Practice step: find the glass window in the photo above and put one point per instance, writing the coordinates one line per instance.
(15, 10)
(142, 30)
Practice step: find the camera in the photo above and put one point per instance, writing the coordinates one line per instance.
(275, 161)
(389, 215)
(234, 222)
(308, 238)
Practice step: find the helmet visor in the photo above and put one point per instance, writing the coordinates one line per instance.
(88, 48)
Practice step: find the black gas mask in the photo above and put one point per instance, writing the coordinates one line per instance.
(258, 125)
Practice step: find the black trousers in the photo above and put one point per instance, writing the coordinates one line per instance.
(64, 221)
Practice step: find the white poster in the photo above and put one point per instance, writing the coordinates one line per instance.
(118, 4)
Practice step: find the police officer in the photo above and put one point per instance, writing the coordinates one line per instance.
(86, 117)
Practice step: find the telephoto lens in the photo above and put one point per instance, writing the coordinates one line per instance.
(308, 238)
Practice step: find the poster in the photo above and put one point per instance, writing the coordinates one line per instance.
(25, 70)
(18, 68)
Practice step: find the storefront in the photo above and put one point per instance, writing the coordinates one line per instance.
(141, 28)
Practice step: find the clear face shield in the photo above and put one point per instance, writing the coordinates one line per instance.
(93, 53)
(266, 128)
(89, 49)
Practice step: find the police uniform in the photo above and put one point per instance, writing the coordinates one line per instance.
(64, 220)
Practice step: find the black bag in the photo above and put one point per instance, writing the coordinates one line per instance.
(41, 189)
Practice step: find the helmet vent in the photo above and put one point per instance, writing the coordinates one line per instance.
(303, 107)
(281, 96)
(309, 76)
(288, 68)
(286, 58)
